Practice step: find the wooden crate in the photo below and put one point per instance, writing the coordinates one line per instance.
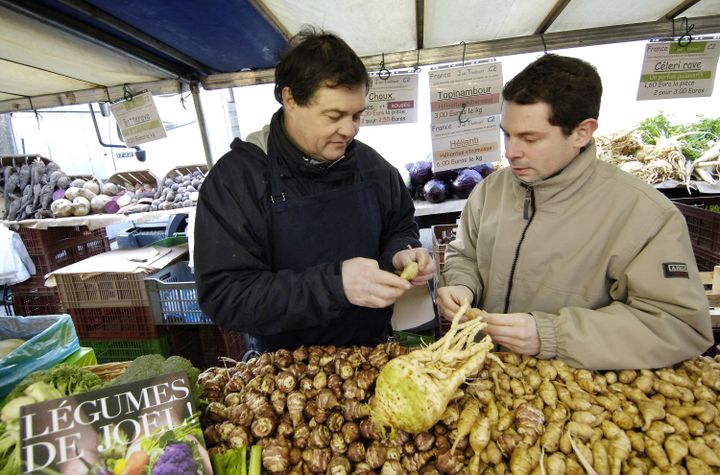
(711, 281)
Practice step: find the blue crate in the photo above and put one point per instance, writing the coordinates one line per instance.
(173, 297)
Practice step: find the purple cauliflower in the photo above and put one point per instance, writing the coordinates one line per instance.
(176, 459)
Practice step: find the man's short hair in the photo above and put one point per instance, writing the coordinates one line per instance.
(315, 59)
(571, 87)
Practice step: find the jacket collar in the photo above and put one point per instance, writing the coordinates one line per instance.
(568, 181)
(295, 162)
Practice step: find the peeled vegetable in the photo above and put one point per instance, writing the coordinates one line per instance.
(465, 182)
(410, 271)
(9, 345)
(435, 191)
(412, 391)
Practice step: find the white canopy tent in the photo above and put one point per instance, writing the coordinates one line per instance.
(62, 52)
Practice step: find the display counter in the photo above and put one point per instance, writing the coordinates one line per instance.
(97, 221)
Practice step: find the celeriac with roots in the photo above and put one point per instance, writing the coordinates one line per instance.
(413, 390)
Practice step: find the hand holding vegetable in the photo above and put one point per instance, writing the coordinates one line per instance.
(450, 298)
(420, 255)
(515, 331)
(367, 285)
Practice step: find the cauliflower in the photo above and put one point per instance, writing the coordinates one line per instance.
(176, 459)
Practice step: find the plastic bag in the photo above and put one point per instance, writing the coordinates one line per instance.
(50, 339)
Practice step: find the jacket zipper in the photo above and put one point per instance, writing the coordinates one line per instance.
(528, 215)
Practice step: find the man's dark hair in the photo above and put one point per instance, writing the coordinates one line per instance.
(570, 86)
(315, 59)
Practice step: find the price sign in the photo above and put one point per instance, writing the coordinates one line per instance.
(671, 71)
(138, 120)
(464, 107)
(392, 100)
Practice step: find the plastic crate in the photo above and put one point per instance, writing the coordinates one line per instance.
(113, 323)
(441, 234)
(40, 242)
(109, 351)
(204, 344)
(173, 296)
(706, 260)
(116, 289)
(703, 224)
(43, 301)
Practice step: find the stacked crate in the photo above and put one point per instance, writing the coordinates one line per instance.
(112, 315)
(704, 229)
(50, 249)
(174, 305)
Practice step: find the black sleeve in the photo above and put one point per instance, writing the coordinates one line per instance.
(236, 286)
(400, 230)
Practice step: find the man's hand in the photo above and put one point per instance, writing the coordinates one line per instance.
(515, 331)
(426, 266)
(449, 299)
(367, 285)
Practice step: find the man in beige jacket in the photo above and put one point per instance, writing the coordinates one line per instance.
(572, 257)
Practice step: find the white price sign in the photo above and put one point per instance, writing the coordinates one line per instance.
(392, 100)
(671, 71)
(464, 105)
(138, 120)
(465, 144)
(459, 94)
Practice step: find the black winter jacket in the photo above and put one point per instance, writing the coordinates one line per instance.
(237, 287)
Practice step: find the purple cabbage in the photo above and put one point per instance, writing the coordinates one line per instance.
(420, 172)
(484, 169)
(447, 175)
(465, 182)
(435, 191)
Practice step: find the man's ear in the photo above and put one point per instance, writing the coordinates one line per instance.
(584, 132)
(287, 97)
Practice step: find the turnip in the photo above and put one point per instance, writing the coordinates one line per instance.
(413, 390)
(61, 208)
(72, 192)
(80, 206)
(92, 185)
(110, 189)
(99, 202)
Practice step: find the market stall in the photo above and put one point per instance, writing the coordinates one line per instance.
(436, 402)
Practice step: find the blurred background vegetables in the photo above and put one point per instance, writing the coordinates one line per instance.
(436, 187)
(657, 150)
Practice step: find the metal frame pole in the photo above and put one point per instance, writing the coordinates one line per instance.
(195, 90)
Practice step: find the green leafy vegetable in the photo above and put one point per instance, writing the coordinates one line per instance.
(698, 138)
(61, 380)
(230, 462)
(150, 366)
(255, 465)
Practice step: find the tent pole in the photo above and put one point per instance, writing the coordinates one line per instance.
(195, 90)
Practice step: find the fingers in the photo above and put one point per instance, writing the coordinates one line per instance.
(515, 331)
(426, 265)
(365, 284)
(450, 299)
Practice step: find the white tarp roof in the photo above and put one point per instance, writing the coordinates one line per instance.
(55, 52)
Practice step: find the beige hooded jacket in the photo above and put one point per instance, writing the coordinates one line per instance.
(602, 260)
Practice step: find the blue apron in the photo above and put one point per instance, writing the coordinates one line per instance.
(331, 226)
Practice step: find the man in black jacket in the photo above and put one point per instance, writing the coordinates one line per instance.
(299, 227)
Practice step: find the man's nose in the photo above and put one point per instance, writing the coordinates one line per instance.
(348, 127)
(512, 148)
